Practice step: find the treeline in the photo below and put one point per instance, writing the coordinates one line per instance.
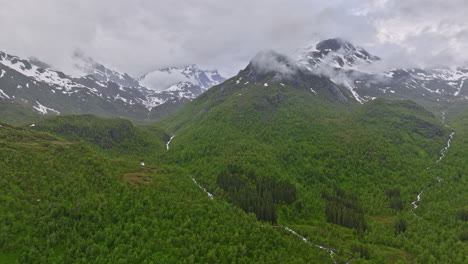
(394, 197)
(118, 137)
(344, 209)
(102, 131)
(261, 199)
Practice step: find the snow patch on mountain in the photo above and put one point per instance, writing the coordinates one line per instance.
(179, 91)
(153, 101)
(355, 94)
(457, 93)
(44, 109)
(436, 81)
(353, 67)
(123, 99)
(42, 75)
(4, 95)
(334, 54)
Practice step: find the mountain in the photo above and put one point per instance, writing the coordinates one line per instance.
(50, 92)
(335, 54)
(278, 164)
(89, 67)
(297, 150)
(107, 92)
(430, 87)
(167, 88)
(164, 78)
(35, 61)
(31, 86)
(168, 101)
(343, 62)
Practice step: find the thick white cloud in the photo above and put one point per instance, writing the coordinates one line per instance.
(140, 35)
(160, 80)
(420, 32)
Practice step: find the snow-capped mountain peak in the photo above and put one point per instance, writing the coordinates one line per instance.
(335, 54)
(102, 73)
(164, 78)
(343, 63)
(39, 63)
(99, 89)
(182, 91)
(28, 69)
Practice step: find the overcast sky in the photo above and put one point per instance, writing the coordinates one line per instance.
(136, 36)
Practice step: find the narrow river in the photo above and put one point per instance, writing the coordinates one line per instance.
(442, 152)
(169, 142)
(331, 251)
(201, 187)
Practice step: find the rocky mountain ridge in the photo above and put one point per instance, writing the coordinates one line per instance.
(102, 91)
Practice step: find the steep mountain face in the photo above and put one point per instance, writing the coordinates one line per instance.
(39, 63)
(89, 67)
(163, 103)
(273, 67)
(429, 87)
(269, 80)
(31, 86)
(47, 91)
(335, 54)
(164, 78)
(173, 86)
(342, 62)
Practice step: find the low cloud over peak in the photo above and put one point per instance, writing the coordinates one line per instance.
(138, 36)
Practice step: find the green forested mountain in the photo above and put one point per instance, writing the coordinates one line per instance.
(246, 173)
(297, 156)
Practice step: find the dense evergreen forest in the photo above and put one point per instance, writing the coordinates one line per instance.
(341, 176)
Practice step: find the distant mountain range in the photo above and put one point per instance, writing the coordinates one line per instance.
(102, 73)
(159, 79)
(30, 86)
(293, 160)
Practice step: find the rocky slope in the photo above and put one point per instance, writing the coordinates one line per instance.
(31, 85)
(343, 62)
